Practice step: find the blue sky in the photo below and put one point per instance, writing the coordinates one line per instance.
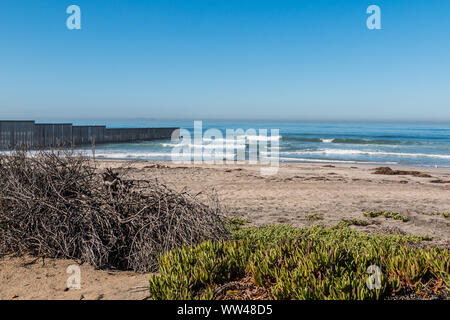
(225, 59)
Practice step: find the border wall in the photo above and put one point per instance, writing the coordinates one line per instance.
(52, 135)
(28, 134)
(16, 133)
(82, 135)
(138, 134)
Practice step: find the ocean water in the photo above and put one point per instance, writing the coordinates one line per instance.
(418, 145)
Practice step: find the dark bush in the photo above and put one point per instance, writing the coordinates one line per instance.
(55, 204)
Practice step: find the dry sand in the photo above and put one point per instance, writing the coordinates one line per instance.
(26, 278)
(336, 192)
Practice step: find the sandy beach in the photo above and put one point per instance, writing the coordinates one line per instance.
(334, 192)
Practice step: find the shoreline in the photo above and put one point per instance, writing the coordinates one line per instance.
(297, 161)
(319, 162)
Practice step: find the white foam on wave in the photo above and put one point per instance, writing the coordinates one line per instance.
(261, 138)
(212, 145)
(127, 155)
(364, 152)
(243, 137)
(215, 143)
(156, 155)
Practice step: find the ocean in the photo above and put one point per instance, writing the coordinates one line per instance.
(417, 145)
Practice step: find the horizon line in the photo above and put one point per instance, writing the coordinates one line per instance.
(226, 119)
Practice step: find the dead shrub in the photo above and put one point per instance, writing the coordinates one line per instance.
(55, 204)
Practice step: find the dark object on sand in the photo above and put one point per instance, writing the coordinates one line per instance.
(391, 172)
(55, 204)
(440, 181)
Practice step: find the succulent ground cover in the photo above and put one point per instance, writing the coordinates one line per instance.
(356, 222)
(314, 216)
(282, 262)
(444, 214)
(387, 215)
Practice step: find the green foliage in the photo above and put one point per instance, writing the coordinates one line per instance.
(301, 263)
(269, 235)
(387, 215)
(355, 222)
(444, 214)
(235, 223)
(314, 216)
(185, 271)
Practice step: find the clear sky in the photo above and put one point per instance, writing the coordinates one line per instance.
(225, 59)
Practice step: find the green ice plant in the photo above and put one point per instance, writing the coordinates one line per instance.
(444, 214)
(301, 263)
(314, 216)
(387, 215)
(355, 222)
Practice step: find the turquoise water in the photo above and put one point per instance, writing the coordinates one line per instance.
(421, 145)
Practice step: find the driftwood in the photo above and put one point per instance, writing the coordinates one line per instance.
(55, 204)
